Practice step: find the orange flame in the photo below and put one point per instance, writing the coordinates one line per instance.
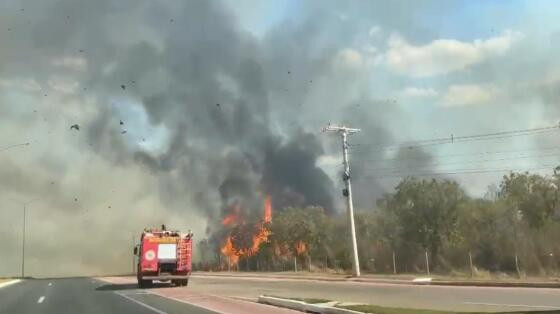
(301, 247)
(233, 217)
(229, 251)
(229, 219)
(259, 237)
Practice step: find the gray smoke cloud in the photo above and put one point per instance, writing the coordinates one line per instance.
(194, 93)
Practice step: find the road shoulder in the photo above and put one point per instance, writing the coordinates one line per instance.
(214, 303)
(9, 282)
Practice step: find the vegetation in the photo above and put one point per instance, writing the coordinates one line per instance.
(514, 229)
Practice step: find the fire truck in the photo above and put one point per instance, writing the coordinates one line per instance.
(164, 255)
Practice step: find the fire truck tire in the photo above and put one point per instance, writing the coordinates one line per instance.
(144, 283)
(185, 282)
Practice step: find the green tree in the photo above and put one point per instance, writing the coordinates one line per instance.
(294, 227)
(534, 196)
(426, 211)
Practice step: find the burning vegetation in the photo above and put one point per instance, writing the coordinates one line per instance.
(244, 239)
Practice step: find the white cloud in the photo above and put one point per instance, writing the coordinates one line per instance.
(416, 92)
(374, 31)
(468, 95)
(27, 85)
(444, 55)
(63, 85)
(72, 63)
(349, 59)
(370, 49)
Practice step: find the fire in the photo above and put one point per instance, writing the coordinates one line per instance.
(229, 219)
(301, 247)
(229, 251)
(233, 217)
(260, 235)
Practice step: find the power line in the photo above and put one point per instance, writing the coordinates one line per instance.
(456, 155)
(465, 162)
(12, 146)
(458, 139)
(456, 172)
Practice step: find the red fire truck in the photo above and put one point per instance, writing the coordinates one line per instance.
(164, 255)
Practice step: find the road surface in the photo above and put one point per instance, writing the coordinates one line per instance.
(392, 295)
(87, 295)
(210, 294)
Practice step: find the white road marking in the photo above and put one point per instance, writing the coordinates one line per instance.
(7, 283)
(187, 302)
(41, 299)
(141, 304)
(50, 284)
(551, 307)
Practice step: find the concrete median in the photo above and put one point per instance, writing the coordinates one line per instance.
(302, 306)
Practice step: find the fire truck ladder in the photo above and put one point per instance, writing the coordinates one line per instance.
(183, 252)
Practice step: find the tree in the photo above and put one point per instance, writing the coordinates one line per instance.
(426, 211)
(534, 196)
(301, 231)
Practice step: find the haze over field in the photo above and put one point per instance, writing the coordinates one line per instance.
(186, 108)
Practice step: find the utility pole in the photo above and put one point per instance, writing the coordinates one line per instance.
(347, 192)
(24, 204)
(23, 243)
(133, 255)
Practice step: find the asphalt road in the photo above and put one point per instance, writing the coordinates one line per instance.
(85, 296)
(209, 294)
(392, 295)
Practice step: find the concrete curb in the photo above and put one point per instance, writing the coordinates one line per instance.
(304, 307)
(433, 282)
(9, 283)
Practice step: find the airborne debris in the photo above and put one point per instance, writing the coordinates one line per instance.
(123, 132)
(81, 50)
(123, 87)
(75, 199)
(75, 127)
(217, 105)
(171, 20)
(121, 122)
